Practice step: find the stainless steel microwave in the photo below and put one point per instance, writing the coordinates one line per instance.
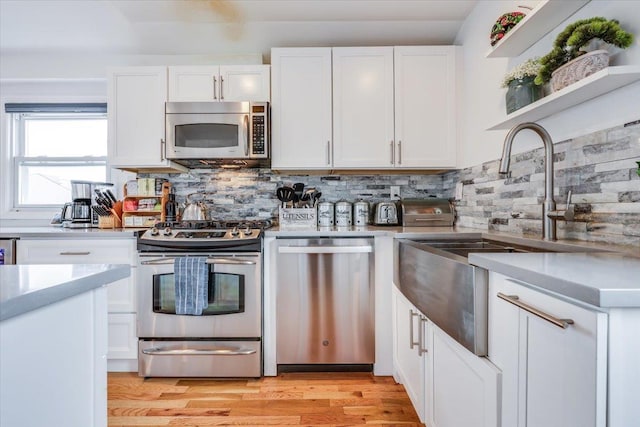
(217, 130)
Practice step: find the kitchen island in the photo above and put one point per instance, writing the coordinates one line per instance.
(53, 341)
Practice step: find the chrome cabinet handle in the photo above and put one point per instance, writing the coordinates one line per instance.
(412, 343)
(246, 132)
(421, 349)
(215, 83)
(515, 300)
(75, 253)
(399, 152)
(226, 261)
(159, 351)
(392, 152)
(163, 148)
(221, 86)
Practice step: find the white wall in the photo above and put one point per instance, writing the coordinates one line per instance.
(483, 101)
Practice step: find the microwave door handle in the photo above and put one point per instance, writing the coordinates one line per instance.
(246, 133)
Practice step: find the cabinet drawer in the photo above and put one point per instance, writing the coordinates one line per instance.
(76, 251)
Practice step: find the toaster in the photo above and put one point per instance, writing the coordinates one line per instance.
(386, 213)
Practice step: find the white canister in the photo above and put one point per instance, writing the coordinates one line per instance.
(344, 213)
(360, 213)
(325, 214)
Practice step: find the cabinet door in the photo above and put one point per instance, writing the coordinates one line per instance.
(409, 363)
(245, 83)
(198, 83)
(561, 371)
(136, 98)
(464, 387)
(301, 108)
(425, 105)
(123, 341)
(363, 107)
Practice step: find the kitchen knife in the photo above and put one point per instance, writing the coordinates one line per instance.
(111, 196)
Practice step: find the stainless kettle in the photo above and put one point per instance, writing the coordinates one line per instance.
(194, 211)
(386, 213)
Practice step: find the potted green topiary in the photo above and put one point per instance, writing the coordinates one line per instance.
(568, 62)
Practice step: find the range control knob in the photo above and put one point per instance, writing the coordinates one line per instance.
(154, 231)
(247, 231)
(235, 232)
(167, 231)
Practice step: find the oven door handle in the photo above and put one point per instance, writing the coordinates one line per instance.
(226, 261)
(159, 351)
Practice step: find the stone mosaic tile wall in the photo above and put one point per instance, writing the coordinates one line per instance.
(251, 193)
(600, 169)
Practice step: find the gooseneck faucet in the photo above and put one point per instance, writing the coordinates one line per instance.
(549, 204)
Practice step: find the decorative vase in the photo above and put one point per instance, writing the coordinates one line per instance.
(579, 68)
(522, 92)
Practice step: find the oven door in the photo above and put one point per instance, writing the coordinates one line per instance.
(234, 302)
(207, 136)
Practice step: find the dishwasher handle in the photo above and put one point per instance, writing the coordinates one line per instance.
(325, 249)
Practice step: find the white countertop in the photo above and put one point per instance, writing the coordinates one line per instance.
(598, 278)
(76, 233)
(24, 288)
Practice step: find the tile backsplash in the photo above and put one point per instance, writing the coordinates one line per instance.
(599, 168)
(251, 193)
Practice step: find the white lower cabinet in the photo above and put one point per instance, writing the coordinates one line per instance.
(122, 351)
(448, 385)
(553, 357)
(410, 353)
(465, 387)
(52, 364)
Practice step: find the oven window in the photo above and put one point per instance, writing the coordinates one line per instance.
(207, 135)
(226, 294)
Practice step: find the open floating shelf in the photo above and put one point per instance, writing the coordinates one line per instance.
(546, 16)
(590, 87)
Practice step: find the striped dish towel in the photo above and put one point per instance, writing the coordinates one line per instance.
(191, 284)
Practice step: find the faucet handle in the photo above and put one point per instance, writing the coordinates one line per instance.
(566, 215)
(570, 212)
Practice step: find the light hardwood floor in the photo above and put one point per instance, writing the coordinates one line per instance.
(309, 399)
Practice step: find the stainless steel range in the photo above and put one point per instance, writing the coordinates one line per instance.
(226, 339)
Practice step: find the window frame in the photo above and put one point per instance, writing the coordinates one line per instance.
(9, 207)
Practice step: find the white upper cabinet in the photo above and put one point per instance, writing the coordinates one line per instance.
(219, 83)
(301, 108)
(136, 98)
(363, 107)
(425, 107)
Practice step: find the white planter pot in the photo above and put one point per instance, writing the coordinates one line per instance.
(579, 68)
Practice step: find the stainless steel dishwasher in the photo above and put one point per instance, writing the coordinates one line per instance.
(325, 302)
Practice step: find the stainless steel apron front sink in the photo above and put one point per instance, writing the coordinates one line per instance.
(437, 278)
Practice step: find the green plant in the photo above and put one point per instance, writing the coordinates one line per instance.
(569, 43)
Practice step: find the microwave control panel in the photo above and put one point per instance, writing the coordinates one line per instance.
(259, 130)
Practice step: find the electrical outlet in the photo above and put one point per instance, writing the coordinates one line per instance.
(459, 191)
(395, 192)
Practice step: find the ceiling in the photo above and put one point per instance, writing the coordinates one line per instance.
(193, 27)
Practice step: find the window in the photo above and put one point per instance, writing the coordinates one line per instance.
(53, 144)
